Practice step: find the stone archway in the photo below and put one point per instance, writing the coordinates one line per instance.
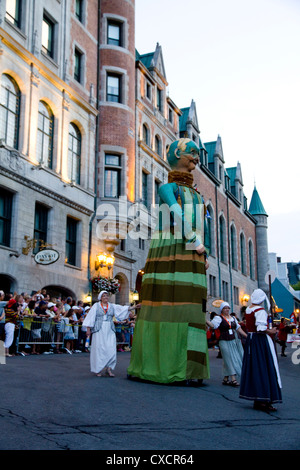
(8, 284)
(122, 296)
(59, 291)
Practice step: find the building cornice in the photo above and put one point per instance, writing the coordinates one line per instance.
(45, 191)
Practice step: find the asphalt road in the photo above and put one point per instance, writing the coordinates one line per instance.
(53, 402)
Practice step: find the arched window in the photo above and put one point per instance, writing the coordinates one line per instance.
(9, 111)
(233, 246)
(243, 253)
(251, 259)
(44, 145)
(74, 154)
(223, 251)
(158, 145)
(145, 134)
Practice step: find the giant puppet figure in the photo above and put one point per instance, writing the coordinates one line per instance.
(169, 343)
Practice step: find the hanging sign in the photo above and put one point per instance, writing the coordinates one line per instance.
(47, 256)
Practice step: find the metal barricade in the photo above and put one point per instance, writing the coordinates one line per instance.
(35, 333)
(124, 335)
(38, 331)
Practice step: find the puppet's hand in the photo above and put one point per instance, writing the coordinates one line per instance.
(200, 249)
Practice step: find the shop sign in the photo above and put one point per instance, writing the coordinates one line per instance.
(47, 256)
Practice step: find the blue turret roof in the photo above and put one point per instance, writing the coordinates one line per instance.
(256, 207)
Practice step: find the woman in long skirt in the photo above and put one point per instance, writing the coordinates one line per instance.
(99, 322)
(229, 343)
(260, 379)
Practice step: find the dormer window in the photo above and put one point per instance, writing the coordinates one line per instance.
(148, 91)
(220, 173)
(159, 99)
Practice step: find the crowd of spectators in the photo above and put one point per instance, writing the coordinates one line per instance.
(39, 323)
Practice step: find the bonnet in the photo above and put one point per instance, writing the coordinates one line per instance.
(101, 293)
(258, 297)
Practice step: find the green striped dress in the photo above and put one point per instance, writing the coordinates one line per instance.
(169, 342)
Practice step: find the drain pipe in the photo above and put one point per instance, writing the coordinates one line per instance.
(96, 153)
(229, 255)
(218, 248)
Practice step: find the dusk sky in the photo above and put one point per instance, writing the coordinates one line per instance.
(239, 60)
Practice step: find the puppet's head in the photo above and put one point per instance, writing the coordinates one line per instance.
(182, 147)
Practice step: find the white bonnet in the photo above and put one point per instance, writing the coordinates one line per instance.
(223, 304)
(258, 297)
(101, 293)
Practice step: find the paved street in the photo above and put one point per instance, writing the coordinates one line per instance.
(54, 402)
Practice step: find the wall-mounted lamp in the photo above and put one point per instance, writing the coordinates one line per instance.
(104, 261)
(135, 296)
(245, 298)
(110, 259)
(88, 298)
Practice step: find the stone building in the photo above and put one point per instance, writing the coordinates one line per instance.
(85, 121)
(47, 147)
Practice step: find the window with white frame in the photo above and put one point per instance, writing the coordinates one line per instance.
(13, 12)
(48, 26)
(236, 300)
(6, 202)
(211, 229)
(74, 154)
(222, 232)
(243, 253)
(44, 144)
(146, 134)
(112, 175)
(251, 260)
(114, 88)
(79, 10)
(233, 246)
(40, 226)
(158, 146)
(225, 291)
(115, 33)
(71, 241)
(9, 111)
(78, 65)
(212, 285)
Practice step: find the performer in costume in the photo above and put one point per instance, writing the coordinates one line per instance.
(169, 342)
(99, 322)
(260, 380)
(230, 345)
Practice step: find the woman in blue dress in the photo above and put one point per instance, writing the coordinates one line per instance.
(260, 380)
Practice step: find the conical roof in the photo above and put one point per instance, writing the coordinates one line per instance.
(256, 207)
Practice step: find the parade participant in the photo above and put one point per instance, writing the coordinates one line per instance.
(260, 380)
(169, 343)
(99, 322)
(282, 335)
(12, 313)
(230, 346)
